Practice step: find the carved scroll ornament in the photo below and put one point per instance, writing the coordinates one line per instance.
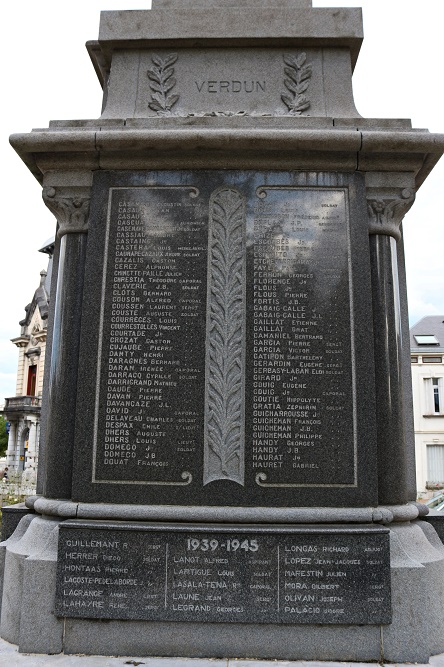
(70, 210)
(387, 212)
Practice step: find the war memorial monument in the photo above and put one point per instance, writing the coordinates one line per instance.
(227, 467)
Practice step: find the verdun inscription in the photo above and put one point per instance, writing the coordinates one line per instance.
(258, 82)
(227, 353)
(224, 574)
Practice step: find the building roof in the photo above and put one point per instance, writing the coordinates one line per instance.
(427, 335)
(48, 246)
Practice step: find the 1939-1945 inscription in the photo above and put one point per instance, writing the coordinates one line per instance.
(225, 574)
(226, 351)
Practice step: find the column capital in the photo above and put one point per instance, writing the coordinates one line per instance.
(70, 205)
(386, 209)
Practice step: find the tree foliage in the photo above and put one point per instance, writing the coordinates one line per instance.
(3, 436)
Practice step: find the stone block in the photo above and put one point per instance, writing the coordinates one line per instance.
(11, 517)
(34, 540)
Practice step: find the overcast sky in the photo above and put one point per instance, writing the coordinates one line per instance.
(47, 75)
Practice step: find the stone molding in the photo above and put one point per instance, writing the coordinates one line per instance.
(21, 341)
(116, 512)
(70, 208)
(213, 143)
(386, 210)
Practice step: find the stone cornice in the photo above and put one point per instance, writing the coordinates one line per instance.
(243, 27)
(197, 145)
(21, 341)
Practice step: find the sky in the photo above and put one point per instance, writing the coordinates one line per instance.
(47, 75)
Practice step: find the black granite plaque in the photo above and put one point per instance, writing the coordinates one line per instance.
(221, 574)
(150, 383)
(226, 353)
(301, 369)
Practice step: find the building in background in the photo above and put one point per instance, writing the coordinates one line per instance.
(23, 410)
(427, 357)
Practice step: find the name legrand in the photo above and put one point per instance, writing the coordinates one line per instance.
(233, 86)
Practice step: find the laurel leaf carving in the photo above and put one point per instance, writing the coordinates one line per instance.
(161, 82)
(224, 427)
(299, 74)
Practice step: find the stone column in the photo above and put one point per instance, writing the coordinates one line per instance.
(44, 410)
(70, 205)
(12, 444)
(32, 445)
(387, 204)
(407, 373)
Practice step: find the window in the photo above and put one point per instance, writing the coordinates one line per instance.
(435, 463)
(434, 396)
(435, 387)
(32, 377)
(432, 360)
(426, 340)
(414, 360)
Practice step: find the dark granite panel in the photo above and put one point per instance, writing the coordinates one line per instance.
(300, 370)
(202, 573)
(436, 519)
(225, 337)
(11, 517)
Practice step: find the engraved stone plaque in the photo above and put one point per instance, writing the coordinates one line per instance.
(152, 323)
(226, 353)
(227, 574)
(301, 370)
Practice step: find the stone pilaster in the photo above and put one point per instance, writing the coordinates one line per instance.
(387, 203)
(70, 205)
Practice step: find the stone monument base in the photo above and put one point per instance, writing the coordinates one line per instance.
(29, 565)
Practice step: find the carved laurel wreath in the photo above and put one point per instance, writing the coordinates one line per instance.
(161, 82)
(225, 388)
(299, 75)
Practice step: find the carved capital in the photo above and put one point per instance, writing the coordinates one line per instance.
(71, 208)
(386, 210)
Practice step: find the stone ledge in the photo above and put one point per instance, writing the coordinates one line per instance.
(203, 147)
(113, 511)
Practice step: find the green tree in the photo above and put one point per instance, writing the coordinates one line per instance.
(3, 436)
